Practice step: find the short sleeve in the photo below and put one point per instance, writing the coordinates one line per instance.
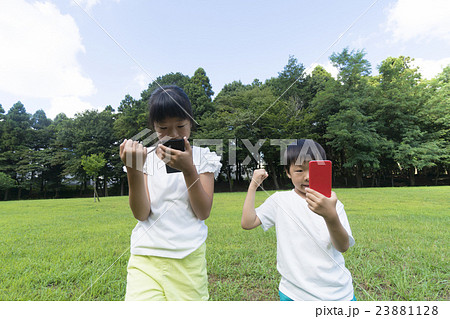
(267, 212)
(344, 221)
(209, 162)
(147, 164)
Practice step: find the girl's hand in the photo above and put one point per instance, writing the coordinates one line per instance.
(259, 175)
(322, 205)
(175, 158)
(133, 154)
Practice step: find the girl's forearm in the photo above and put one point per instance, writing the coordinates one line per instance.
(200, 201)
(138, 196)
(248, 211)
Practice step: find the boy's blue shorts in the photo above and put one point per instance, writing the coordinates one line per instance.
(283, 297)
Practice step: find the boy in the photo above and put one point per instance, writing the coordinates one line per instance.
(312, 231)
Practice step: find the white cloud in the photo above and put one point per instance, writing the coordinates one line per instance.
(38, 58)
(328, 67)
(142, 80)
(430, 68)
(137, 84)
(89, 4)
(68, 105)
(419, 20)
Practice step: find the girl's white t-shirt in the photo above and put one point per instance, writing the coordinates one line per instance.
(172, 230)
(310, 267)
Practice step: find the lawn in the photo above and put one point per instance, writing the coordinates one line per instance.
(75, 249)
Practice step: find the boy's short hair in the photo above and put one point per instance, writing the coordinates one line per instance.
(301, 151)
(169, 101)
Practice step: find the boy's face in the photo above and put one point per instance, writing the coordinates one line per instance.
(299, 175)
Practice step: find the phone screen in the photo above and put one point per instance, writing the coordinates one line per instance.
(320, 177)
(176, 145)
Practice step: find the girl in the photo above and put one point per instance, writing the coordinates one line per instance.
(167, 259)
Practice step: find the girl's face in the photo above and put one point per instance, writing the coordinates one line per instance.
(299, 175)
(174, 127)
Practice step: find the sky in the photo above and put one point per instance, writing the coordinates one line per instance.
(72, 55)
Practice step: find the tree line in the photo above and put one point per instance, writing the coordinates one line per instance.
(389, 129)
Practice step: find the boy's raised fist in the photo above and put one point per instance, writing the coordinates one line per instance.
(258, 177)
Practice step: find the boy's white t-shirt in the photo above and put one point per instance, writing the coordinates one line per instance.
(310, 267)
(172, 229)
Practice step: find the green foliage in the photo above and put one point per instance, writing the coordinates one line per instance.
(435, 116)
(351, 65)
(199, 91)
(290, 83)
(131, 119)
(6, 182)
(395, 124)
(402, 98)
(93, 163)
(352, 132)
(340, 116)
(90, 132)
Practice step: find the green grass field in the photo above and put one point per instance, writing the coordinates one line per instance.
(56, 249)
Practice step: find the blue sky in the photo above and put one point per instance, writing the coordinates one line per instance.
(54, 57)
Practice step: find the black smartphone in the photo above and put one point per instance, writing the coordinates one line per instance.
(177, 144)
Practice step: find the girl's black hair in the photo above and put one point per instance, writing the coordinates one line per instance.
(303, 150)
(169, 101)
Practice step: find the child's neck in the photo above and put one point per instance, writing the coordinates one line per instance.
(302, 195)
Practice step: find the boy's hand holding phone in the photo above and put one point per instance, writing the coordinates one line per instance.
(321, 200)
(258, 177)
(322, 205)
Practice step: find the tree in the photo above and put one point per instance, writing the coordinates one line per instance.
(401, 99)
(315, 83)
(90, 132)
(55, 156)
(131, 118)
(15, 143)
(248, 113)
(353, 134)
(92, 164)
(231, 89)
(2, 112)
(178, 79)
(339, 116)
(37, 157)
(6, 183)
(199, 91)
(352, 66)
(436, 119)
(290, 83)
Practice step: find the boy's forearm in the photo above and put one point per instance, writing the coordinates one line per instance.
(338, 234)
(138, 197)
(248, 211)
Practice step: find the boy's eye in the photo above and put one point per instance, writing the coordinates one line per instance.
(181, 126)
(162, 128)
(299, 170)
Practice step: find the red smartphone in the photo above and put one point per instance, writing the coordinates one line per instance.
(320, 177)
(176, 145)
